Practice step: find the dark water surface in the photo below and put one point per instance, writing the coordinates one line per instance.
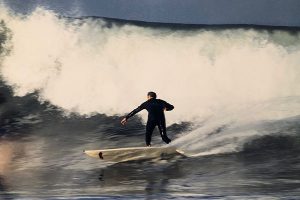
(44, 159)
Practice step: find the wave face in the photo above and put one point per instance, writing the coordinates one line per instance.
(90, 66)
(66, 82)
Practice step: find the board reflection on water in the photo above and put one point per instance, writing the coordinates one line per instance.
(236, 174)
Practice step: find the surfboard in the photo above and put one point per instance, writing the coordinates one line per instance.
(133, 153)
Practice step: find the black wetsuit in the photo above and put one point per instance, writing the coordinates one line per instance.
(156, 117)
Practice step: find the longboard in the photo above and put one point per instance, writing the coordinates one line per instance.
(133, 153)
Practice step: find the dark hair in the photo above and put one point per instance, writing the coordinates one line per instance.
(152, 94)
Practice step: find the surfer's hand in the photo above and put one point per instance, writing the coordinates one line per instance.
(124, 120)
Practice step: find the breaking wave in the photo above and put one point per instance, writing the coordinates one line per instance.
(231, 84)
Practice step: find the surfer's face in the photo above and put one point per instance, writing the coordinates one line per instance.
(148, 97)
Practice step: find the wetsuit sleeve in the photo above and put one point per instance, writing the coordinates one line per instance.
(168, 106)
(138, 109)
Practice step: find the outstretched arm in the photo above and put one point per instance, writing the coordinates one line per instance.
(138, 109)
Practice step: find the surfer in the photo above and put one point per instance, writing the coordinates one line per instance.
(156, 116)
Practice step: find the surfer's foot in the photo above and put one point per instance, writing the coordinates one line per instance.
(149, 145)
(168, 141)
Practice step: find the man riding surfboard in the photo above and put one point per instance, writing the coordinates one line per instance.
(156, 116)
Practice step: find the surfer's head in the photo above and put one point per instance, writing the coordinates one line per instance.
(151, 95)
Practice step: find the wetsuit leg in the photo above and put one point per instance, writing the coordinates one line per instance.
(149, 130)
(163, 131)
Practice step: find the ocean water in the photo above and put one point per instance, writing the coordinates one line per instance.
(67, 82)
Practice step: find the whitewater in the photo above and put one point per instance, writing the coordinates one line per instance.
(233, 89)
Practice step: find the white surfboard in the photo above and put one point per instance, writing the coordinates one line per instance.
(133, 153)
